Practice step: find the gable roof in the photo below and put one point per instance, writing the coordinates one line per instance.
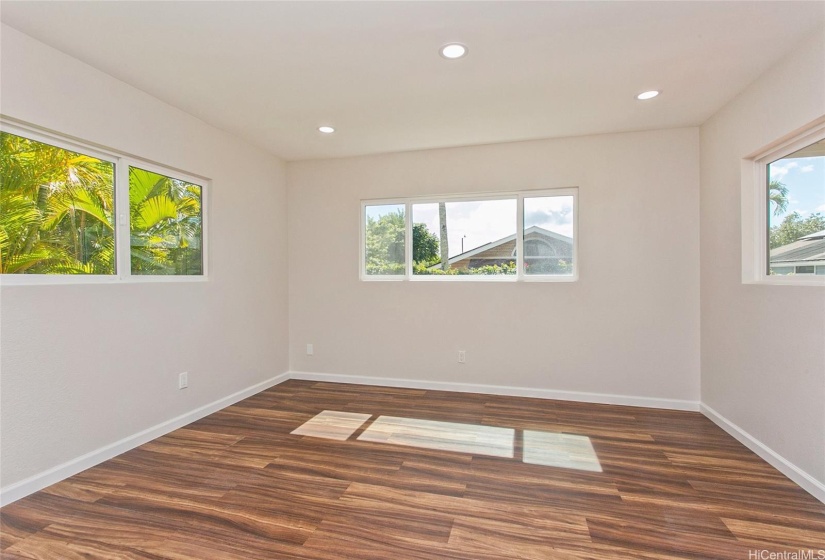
(817, 235)
(808, 248)
(491, 245)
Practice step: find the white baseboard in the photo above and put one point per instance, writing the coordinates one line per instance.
(14, 492)
(777, 461)
(39, 481)
(600, 398)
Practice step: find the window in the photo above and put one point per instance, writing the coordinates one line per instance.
(166, 224)
(796, 210)
(464, 237)
(471, 238)
(548, 235)
(73, 213)
(784, 211)
(385, 235)
(56, 210)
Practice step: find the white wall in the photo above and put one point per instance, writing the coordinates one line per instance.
(630, 326)
(86, 365)
(763, 347)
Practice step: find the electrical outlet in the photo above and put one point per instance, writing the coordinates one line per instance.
(462, 356)
(310, 350)
(183, 380)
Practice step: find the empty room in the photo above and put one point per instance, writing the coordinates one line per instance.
(412, 280)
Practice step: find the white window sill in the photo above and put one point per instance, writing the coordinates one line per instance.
(80, 280)
(464, 278)
(784, 281)
(508, 278)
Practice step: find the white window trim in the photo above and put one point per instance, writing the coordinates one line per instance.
(518, 196)
(755, 208)
(122, 162)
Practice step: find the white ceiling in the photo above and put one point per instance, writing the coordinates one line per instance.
(272, 72)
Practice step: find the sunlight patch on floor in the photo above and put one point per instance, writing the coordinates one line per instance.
(444, 436)
(551, 449)
(330, 424)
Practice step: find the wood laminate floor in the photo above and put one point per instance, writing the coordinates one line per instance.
(238, 485)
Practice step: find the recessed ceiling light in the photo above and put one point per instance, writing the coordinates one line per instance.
(326, 129)
(453, 51)
(647, 95)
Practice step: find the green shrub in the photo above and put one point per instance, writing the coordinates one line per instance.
(548, 266)
(422, 269)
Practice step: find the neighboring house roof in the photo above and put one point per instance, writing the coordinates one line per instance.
(806, 249)
(817, 235)
(493, 244)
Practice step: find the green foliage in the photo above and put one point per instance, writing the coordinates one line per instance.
(490, 269)
(424, 269)
(795, 226)
(385, 244)
(55, 210)
(425, 245)
(57, 215)
(548, 266)
(778, 195)
(166, 224)
(505, 268)
(385, 268)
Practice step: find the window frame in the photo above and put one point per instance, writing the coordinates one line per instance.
(518, 196)
(755, 208)
(204, 184)
(121, 214)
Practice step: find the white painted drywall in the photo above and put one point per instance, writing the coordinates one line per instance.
(84, 366)
(630, 326)
(763, 347)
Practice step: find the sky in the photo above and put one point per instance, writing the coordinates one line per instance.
(481, 222)
(476, 223)
(805, 179)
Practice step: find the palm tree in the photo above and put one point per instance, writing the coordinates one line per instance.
(55, 210)
(56, 214)
(445, 248)
(778, 194)
(166, 224)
